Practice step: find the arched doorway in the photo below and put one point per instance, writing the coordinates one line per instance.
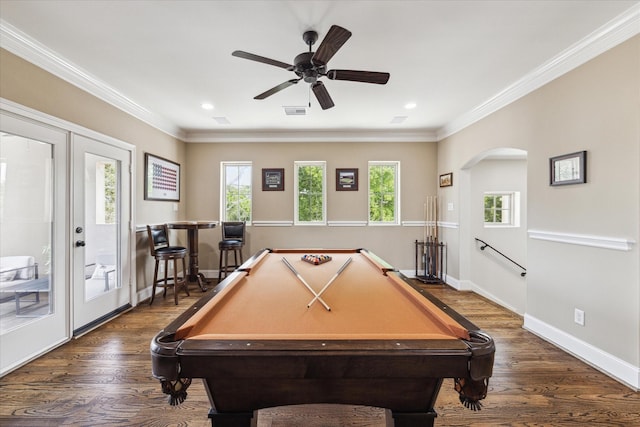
(497, 174)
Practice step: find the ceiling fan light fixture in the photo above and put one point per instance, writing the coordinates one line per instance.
(310, 76)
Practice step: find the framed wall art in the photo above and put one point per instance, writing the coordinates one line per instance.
(161, 179)
(272, 179)
(446, 179)
(568, 169)
(346, 179)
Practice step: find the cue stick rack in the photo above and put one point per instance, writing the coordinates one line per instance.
(429, 251)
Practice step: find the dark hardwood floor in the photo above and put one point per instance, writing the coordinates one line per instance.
(104, 378)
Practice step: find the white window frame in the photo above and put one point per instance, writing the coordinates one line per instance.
(397, 204)
(513, 219)
(223, 188)
(297, 165)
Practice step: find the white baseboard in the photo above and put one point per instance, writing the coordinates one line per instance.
(457, 284)
(609, 364)
(210, 274)
(144, 294)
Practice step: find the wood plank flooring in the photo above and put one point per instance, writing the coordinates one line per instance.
(104, 378)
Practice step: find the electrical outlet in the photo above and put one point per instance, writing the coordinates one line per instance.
(578, 317)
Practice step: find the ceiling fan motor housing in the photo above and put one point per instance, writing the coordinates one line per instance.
(304, 68)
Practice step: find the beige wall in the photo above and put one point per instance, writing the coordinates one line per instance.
(595, 108)
(393, 243)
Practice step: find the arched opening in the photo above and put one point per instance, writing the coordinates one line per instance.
(494, 175)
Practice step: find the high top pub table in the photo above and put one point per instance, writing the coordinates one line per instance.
(192, 228)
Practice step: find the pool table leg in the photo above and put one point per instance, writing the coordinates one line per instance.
(231, 419)
(414, 419)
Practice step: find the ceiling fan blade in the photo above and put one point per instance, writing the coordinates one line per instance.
(258, 58)
(276, 89)
(322, 95)
(359, 76)
(335, 38)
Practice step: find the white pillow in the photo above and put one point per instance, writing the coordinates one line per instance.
(7, 276)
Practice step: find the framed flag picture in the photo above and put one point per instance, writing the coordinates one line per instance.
(161, 179)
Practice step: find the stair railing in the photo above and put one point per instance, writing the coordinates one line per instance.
(486, 245)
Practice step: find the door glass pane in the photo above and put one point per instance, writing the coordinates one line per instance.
(26, 193)
(102, 224)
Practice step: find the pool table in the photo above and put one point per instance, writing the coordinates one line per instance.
(353, 330)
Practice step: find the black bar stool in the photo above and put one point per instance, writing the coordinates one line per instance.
(233, 235)
(162, 251)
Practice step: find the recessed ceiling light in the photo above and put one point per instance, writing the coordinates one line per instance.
(207, 106)
(410, 105)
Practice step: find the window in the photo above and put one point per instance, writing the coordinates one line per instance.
(310, 193)
(106, 192)
(502, 209)
(384, 194)
(236, 191)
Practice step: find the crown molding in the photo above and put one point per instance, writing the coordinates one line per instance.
(309, 136)
(38, 54)
(606, 37)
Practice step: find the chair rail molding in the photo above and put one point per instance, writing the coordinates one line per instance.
(271, 223)
(605, 242)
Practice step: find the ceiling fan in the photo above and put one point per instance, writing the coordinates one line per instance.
(310, 66)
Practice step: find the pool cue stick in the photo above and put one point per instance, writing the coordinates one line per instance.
(424, 240)
(293, 270)
(427, 239)
(330, 282)
(436, 244)
(431, 236)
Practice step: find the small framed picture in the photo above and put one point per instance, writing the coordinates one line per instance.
(446, 179)
(272, 179)
(568, 169)
(161, 179)
(346, 179)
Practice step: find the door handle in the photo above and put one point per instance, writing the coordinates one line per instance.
(79, 243)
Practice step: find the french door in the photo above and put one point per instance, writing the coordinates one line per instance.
(34, 314)
(100, 240)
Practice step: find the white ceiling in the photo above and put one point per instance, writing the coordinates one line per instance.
(457, 60)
